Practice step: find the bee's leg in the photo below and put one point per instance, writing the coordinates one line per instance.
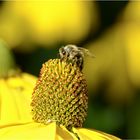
(79, 61)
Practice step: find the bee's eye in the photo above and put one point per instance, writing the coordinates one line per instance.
(63, 51)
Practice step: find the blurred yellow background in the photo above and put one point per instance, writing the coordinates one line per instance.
(35, 30)
(46, 22)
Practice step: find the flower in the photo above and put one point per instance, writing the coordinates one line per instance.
(15, 97)
(60, 94)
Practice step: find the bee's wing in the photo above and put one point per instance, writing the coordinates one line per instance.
(86, 52)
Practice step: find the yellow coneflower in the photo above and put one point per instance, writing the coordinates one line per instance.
(59, 106)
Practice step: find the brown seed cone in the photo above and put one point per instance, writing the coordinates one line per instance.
(60, 94)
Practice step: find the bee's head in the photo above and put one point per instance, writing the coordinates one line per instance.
(67, 51)
(62, 52)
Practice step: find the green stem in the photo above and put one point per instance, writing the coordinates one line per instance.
(7, 63)
(76, 135)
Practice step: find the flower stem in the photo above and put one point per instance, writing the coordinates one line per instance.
(7, 63)
(76, 135)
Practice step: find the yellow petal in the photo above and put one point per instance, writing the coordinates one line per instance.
(37, 131)
(63, 134)
(15, 98)
(86, 134)
(29, 131)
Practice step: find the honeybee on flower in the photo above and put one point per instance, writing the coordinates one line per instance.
(74, 54)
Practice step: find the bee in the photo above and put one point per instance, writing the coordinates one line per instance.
(74, 54)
